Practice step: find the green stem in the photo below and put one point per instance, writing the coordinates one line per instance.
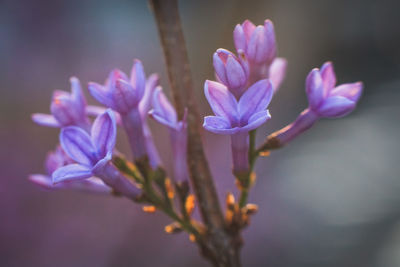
(245, 184)
(243, 197)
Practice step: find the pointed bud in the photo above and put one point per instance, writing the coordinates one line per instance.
(231, 70)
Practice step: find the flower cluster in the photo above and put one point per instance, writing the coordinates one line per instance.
(247, 82)
(84, 159)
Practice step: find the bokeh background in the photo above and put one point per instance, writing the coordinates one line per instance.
(331, 198)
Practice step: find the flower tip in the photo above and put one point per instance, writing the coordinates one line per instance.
(74, 79)
(268, 23)
(137, 61)
(247, 22)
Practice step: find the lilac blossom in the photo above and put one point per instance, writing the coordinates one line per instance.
(66, 109)
(93, 154)
(325, 101)
(130, 98)
(57, 159)
(164, 113)
(329, 101)
(258, 44)
(232, 71)
(237, 118)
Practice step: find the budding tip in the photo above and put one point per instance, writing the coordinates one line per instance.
(73, 79)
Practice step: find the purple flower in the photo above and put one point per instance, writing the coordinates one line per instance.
(57, 159)
(131, 98)
(260, 49)
(237, 118)
(120, 93)
(164, 113)
(93, 155)
(231, 70)
(325, 100)
(329, 101)
(67, 109)
(258, 43)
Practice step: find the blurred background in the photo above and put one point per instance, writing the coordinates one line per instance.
(331, 198)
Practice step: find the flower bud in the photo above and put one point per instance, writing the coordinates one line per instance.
(231, 70)
(258, 43)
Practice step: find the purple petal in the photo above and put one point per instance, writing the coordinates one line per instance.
(256, 120)
(219, 66)
(124, 96)
(239, 38)
(277, 72)
(255, 99)
(222, 102)
(336, 106)
(45, 120)
(328, 76)
(257, 47)
(145, 104)
(101, 94)
(270, 45)
(116, 75)
(138, 78)
(248, 29)
(104, 132)
(235, 73)
(77, 94)
(78, 145)
(71, 172)
(65, 111)
(314, 88)
(43, 181)
(163, 111)
(161, 119)
(219, 125)
(350, 91)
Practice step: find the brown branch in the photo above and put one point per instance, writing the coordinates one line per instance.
(219, 246)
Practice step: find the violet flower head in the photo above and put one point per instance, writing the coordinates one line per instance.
(260, 49)
(237, 118)
(234, 116)
(231, 70)
(329, 101)
(258, 43)
(325, 101)
(93, 154)
(164, 113)
(67, 109)
(57, 159)
(119, 92)
(131, 98)
(90, 152)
